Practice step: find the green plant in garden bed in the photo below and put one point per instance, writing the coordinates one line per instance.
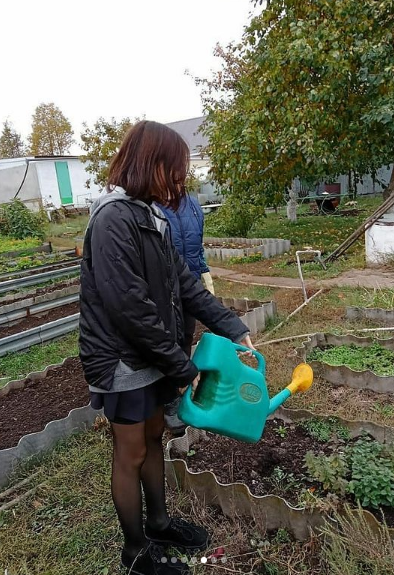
(364, 469)
(17, 365)
(27, 262)
(8, 244)
(325, 429)
(17, 221)
(375, 358)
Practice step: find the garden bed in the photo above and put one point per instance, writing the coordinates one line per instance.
(269, 478)
(357, 362)
(380, 315)
(41, 400)
(36, 294)
(225, 248)
(39, 319)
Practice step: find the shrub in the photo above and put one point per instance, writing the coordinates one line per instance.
(365, 470)
(235, 218)
(18, 222)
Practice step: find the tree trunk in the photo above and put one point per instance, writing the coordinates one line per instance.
(292, 204)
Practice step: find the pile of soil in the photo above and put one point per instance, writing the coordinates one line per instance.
(254, 464)
(40, 319)
(29, 409)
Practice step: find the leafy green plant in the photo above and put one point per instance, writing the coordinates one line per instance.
(324, 429)
(329, 471)
(18, 222)
(281, 430)
(282, 481)
(372, 473)
(8, 244)
(365, 470)
(245, 259)
(375, 358)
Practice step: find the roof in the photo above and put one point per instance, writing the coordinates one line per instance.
(188, 129)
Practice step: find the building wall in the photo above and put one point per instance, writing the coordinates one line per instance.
(11, 177)
(78, 176)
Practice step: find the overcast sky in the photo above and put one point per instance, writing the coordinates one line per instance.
(114, 58)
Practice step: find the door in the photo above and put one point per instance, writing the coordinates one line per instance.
(64, 182)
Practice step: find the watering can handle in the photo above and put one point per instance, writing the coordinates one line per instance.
(257, 355)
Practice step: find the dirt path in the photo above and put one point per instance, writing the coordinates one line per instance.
(368, 278)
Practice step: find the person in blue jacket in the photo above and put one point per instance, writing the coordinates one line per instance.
(187, 229)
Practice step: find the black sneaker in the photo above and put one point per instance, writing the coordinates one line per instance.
(153, 560)
(180, 534)
(171, 419)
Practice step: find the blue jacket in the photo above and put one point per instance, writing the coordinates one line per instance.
(187, 226)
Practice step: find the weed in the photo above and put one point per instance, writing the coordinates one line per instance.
(324, 429)
(245, 259)
(375, 358)
(281, 430)
(329, 471)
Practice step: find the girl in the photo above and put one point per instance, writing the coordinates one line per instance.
(135, 289)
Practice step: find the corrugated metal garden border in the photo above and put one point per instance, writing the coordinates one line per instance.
(373, 314)
(234, 499)
(342, 375)
(267, 247)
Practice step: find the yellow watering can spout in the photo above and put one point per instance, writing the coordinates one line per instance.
(301, 380)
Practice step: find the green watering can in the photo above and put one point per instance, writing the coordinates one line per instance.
(232, 398)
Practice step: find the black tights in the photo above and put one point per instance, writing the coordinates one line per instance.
(138, 459)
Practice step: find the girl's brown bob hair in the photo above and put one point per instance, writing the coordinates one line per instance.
(151, 164)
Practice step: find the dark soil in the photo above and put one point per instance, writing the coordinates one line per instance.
(39, 291)
(29, 409)
(40, 319)
(274, 465)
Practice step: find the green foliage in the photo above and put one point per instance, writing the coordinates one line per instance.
(100, 143)
(329, 471)
(245, 259)
(281, 430)
(372, 473)
(8, 244)
(308, 92)
(236, 217)
(17, 221)
(52, 134)
(375, 358)
(364, 469)
(325, 429)
(11, 143)
(378, 298)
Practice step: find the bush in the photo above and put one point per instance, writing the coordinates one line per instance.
(365, 470)
(17, 221)
(235, 218)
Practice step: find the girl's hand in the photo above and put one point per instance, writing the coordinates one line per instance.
(195, 383)
(247, 342)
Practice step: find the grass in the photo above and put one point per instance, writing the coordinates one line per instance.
(68, 526)
(316, 232)
(8, 244)
(225, 288)
(69, 233)
(17, 365)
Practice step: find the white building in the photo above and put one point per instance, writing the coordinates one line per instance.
(51, 181)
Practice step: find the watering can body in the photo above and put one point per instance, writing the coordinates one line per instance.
(231, 398)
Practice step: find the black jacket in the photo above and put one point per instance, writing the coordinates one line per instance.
(134, 289)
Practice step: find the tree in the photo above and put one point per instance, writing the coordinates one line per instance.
(100, 144)
(52, 134)
(11, 143)
(309, 92)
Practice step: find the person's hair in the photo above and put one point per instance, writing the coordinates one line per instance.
(151, 164)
